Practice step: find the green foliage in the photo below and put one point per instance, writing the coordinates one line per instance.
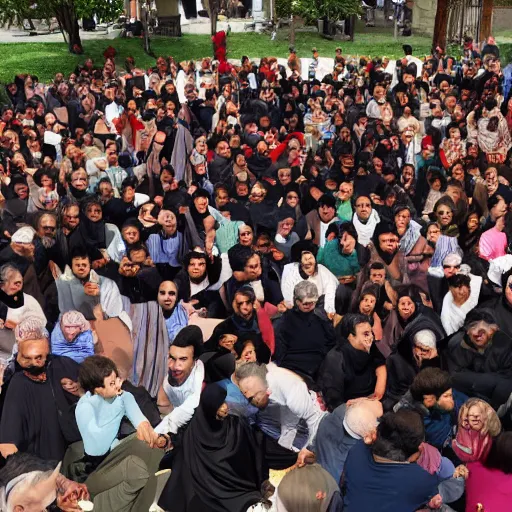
(105, 10)
(311, 10)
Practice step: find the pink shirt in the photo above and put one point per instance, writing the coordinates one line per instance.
(492, 244)
(490, 487)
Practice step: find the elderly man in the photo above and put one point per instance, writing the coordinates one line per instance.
(479, 359)
(289, 402)
(342, 429)
(303, 335)
(38, 416)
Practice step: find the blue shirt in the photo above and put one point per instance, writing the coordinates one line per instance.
(98, 420)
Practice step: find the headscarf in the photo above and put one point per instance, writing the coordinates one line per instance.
(75, 318)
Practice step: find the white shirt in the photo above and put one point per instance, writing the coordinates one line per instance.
(199, 287)
(184, 398)
(323, 230)
(297, 403)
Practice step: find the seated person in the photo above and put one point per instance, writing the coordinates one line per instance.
(303, 335)
(392, 460)
(340, 431)
(175, 314)
(354, 367)
(479, 359)
(133, 461)
(431, 394)
(73, 337)
(318, 220)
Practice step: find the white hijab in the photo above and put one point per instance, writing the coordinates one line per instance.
(365, 231)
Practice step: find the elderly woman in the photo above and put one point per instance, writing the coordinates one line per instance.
(285, 236)
(73, 337)
(305, 267)
(14, 306)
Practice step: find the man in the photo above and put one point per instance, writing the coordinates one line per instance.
(365, 219)
(67, 233)
(221, 167)
(303, 336)
(30, 483)
(432, 395)
(268, 386)
(438, 286)
(81, 289)
(340, 431)
(179, 395)
(479, 359)
(38, 415)
(318, 220)
(199, 273)
(246, 319)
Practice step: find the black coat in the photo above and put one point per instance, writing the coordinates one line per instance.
(486, 374)
(302, 341)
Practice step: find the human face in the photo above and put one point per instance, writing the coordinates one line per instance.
(197, 268)
(347, 243)
(363, 338)
(454, 193)
(81, 267)
(33, 353)
(181, 363)
(13, 284)
(388, 242)
(71, 331)
(433, 233)
(367, 304)
(253, 268)
(406, 307)
(256, 392)
(221, 198)
(111, 387)
(308, 263)
(201, 204)
(243, 306)
(224, 150)
(363, 208)
(508, 291)
(246, 236)
(346, 191)
(460, 294)
(292, 199)
(167, 220)
(481, 334)
(242, 190)
(285, 176)
(47, 226)
(378, 276)
(248, 354)
(458, 173)
(167, 295)
(472, 222)
(79, 180)
(131, 234)
(450, 270)
(326, 213)
(307, 305)
(285, 227)
(444, 215)
(94, 212)
(500, 209)
(128, 194)
(46, 182)
(402, 219)
(71, 218)
(21, 190)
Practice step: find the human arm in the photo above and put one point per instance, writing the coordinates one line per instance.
(163, 403)
(331, 379)
(330, 286)
(380, 386)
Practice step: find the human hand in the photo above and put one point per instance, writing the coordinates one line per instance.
(91, 289)
(9, 324)
(388, 306)
(305, 457)
(189, 306)
(461, 472)
(146, 433)
(281, 307)
(159, 200)
(436, 502)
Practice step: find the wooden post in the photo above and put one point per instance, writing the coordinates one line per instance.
(441, 24)
(486, 21)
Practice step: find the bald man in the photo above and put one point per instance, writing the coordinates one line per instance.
(342, 429)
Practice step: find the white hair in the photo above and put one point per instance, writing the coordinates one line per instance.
(425, 338)
(452, 259)
(360, 419)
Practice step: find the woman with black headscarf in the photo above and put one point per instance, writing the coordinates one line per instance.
(219, 467)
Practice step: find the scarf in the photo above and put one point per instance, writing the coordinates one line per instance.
(445, 245)
(410, 237)
(242, 325)
(471, 446)
(365, 231)
(430, 458)
(453, 316)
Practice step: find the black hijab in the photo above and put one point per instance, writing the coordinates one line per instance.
(92, 233)
(218, 468)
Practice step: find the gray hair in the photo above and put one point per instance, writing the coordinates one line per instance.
(360, 419)
(31, 328)
(252, 370)
(6, 270)
(453, 259)
(305, 290)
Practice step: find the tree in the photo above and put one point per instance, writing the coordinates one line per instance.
(441, 24)
(67, 13)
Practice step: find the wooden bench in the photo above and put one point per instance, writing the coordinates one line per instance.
(169, 26)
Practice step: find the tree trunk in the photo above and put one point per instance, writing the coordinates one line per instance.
(486, 22)
(441, 24)
(66, 16)
(213, 12)
(292, 30)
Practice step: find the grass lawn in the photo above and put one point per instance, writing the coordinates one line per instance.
(46, 59)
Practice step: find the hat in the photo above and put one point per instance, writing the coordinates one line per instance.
(24, 235)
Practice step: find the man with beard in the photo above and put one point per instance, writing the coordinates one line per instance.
(38, 401)
(194, 281)
(179, 394)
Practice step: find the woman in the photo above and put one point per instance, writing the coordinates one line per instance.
(165, 248)
(219, 466)
(493, 243)
(305, 267)
(292, 200)
(148, 218)
(413, 245)
(470, 232)
(175, 314)
(365, 305)
(14, 307)
(344, 210)
(444, 211)
(285, 237)
(409, 311)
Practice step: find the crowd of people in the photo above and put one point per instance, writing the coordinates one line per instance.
(226, 269)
